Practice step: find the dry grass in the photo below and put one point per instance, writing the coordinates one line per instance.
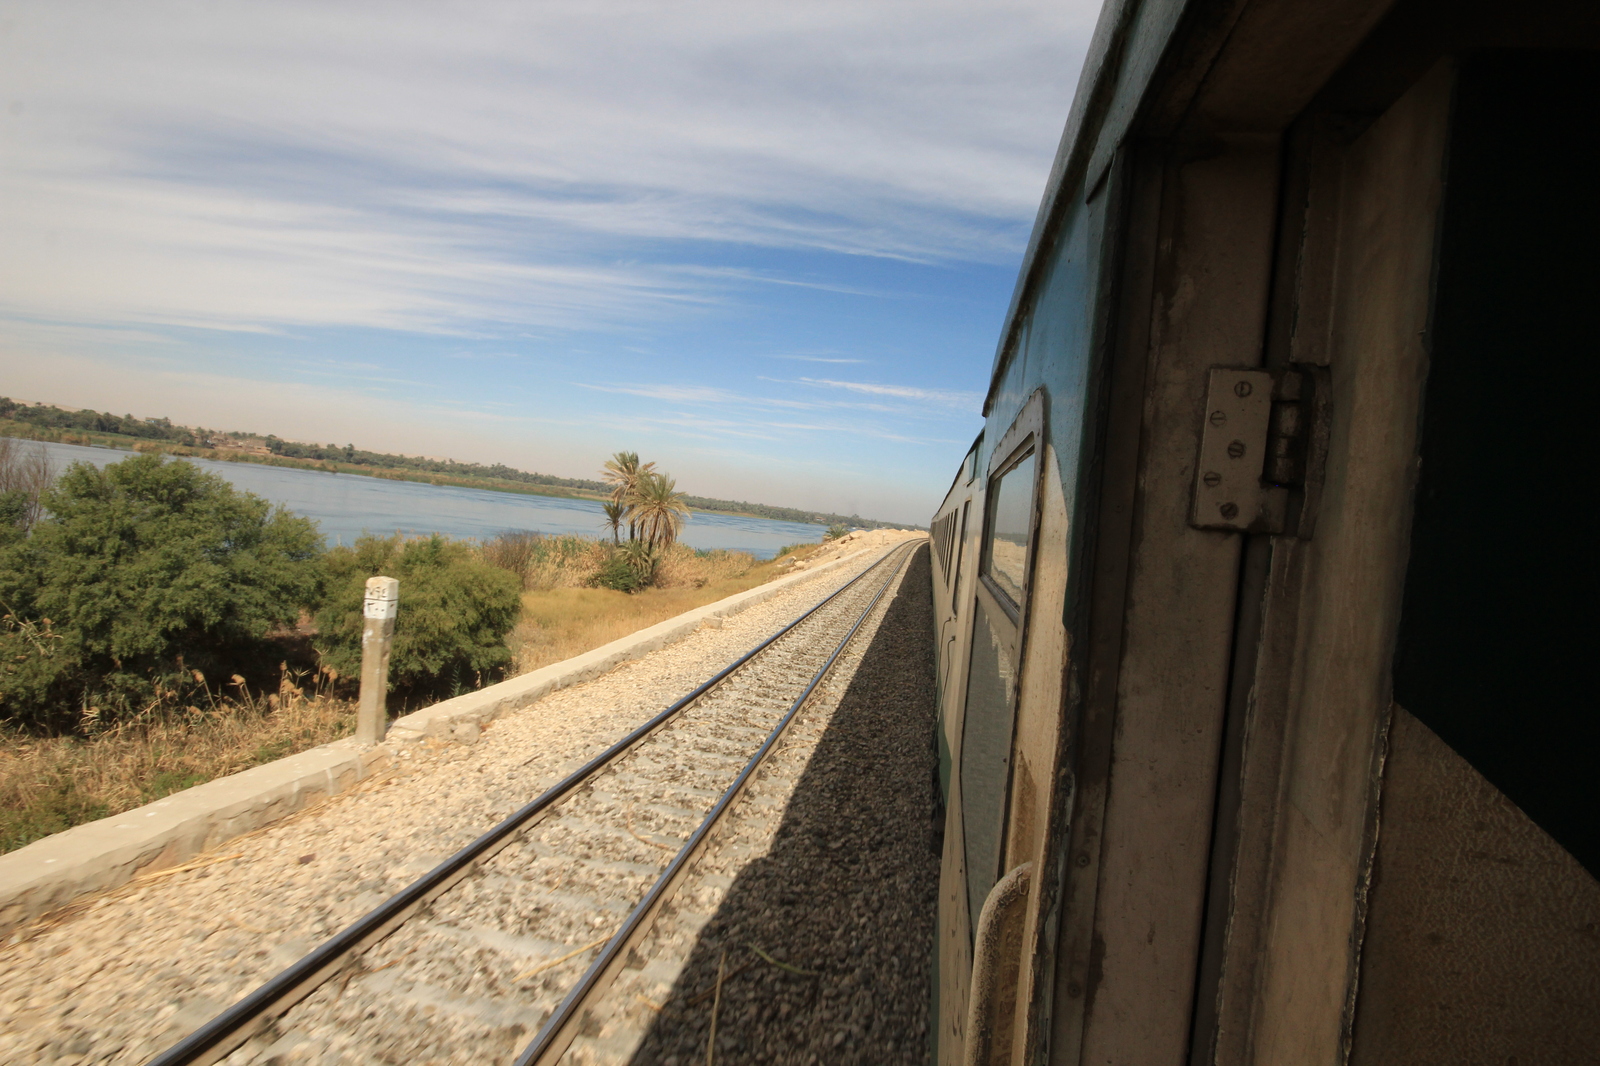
(561, 621)
(48, 784)
(546, 562)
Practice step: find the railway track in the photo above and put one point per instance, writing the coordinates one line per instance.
(520, 934)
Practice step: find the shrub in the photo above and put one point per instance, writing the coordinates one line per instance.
(514, 551)
(628, 568)
(146, 581)
(835, 531)
(455, 612)
(615, 573)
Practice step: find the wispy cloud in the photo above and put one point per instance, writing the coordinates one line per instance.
(942, 397)
(816, 359)
(701, 425)
(396, 168)
(694, 394)
(757, 277)
(703, 396)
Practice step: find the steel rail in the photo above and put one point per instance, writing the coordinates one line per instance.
(547, 1045)
(239, 1022)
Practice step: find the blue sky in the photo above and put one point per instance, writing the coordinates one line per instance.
(768, 245)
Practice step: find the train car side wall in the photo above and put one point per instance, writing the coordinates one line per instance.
(1047, 377)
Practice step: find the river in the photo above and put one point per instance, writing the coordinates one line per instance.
(346, 505)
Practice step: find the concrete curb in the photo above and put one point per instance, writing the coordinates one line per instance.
(52, 872)
(461, 718)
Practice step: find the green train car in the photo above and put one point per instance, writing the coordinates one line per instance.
(1265, 599)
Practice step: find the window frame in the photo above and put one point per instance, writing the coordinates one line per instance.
(961, 551)
(1024, 438)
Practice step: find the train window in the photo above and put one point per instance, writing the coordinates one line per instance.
(948, 539)
(969, 463)
(961, 544)
(1005, 548)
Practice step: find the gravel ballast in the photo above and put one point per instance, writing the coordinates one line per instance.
(120, 977)
(845, 891)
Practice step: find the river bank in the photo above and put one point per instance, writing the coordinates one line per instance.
(345, 505)
(262, 457)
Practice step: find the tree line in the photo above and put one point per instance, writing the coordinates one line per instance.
(349, 453)
(47, 417)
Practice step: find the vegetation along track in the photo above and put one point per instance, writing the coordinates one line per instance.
(440, 972)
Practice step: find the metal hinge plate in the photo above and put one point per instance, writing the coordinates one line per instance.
(1235, 442)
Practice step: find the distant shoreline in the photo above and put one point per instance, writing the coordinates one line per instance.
(51, 423)
(137, 445)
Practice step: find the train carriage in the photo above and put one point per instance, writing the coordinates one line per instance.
(1264, 597)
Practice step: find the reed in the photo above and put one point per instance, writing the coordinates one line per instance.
(48, 784)
(25, 473)
(546, 562)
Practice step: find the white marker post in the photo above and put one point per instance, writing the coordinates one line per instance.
(378, 612)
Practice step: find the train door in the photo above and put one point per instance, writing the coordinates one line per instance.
(1405, 805)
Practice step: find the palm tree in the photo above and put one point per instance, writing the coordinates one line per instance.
(615, 513)
(658, 508)
(623, 471)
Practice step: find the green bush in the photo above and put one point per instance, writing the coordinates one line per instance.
(146, 581)
(455, 612)
(628, 567)
(835, 531)
(615, 573)
(14, 506)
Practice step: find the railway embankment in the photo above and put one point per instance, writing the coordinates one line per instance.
(56, 871)
(122, 973)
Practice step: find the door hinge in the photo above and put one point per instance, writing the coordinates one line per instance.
(1257, 444)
